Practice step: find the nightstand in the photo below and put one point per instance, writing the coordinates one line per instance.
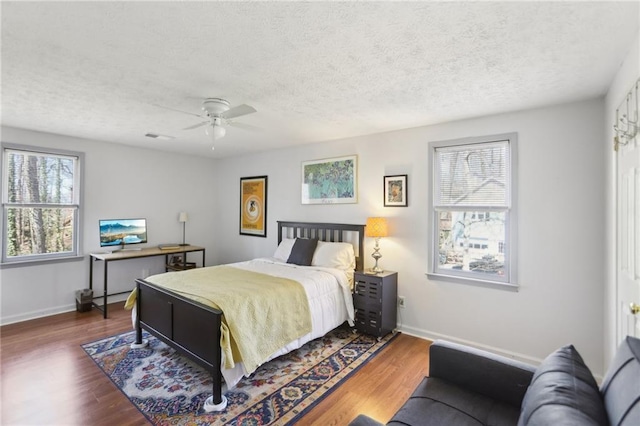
(375, 302)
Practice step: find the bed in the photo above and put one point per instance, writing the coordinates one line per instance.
(168, 307)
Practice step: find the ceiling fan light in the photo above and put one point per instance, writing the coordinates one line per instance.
(219, 132)
(215, 131)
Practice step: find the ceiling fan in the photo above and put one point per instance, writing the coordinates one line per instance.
(218, 113)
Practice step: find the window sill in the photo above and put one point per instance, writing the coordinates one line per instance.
(23, 263)
(474, 282)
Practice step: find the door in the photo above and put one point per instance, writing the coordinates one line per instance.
(628, 229)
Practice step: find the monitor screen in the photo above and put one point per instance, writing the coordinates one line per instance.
(121, 232)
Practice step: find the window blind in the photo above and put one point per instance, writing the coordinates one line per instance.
(473, 175)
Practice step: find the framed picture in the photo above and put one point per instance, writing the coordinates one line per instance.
(330, 181)
(253, 206)
(396, 192)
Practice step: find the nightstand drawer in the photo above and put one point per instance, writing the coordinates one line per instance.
(368, 321)
(366, 293)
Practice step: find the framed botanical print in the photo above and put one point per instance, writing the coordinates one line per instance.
(396, 192)
(253, 206)
(330, 181)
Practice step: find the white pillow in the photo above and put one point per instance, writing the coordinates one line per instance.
(334, 255)
(284, 249)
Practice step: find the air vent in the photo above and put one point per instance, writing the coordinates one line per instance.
(158, 136)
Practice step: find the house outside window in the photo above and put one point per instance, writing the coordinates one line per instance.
(41, 190)
(472, 211)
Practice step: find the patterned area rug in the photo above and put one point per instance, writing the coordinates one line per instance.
(170, 389)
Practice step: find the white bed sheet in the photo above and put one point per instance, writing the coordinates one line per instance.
(330, 302)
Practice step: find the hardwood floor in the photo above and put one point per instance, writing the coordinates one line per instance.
(47, 378)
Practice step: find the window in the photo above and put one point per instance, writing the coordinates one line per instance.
(40, 203)
(472, 213)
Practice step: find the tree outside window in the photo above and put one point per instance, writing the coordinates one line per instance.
(41, 201)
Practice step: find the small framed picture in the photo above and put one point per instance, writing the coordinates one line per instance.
(396, 192)
(253, 206)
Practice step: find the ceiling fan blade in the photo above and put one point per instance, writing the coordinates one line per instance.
(238, 111)
(195, 126)
(178, 110)
(245, 126)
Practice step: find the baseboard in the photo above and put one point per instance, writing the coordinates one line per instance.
(12, 319)
(431, 335)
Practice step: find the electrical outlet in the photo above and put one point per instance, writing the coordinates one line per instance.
(145, 273)
(401, 302)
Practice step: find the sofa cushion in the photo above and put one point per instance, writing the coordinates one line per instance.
(500, 378)
(435, 402)
(563, 392)
(621, 386)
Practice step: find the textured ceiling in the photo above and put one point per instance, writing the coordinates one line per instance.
(314, 71)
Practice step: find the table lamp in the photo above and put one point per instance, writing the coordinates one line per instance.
(376, 228)
(183, 219)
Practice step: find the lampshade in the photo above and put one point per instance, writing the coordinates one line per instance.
(376, 227)
(183, 217)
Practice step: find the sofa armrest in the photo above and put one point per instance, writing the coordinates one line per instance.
(495, 376)
(363, 420)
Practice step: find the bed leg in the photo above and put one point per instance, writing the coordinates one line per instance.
(210, 406)
(217, 401)
(140, 342)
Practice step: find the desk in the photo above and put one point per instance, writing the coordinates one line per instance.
(133, 254)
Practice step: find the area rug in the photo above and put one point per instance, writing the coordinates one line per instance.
(169, 389)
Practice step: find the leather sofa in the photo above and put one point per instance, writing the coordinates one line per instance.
(467, 386)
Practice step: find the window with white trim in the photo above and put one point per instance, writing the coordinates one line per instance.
(472, 210)
(40, 203)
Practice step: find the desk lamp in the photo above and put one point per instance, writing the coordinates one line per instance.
(183, 219)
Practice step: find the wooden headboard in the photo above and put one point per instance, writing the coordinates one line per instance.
(330, 232)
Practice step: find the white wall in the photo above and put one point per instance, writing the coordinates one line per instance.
(561, 193)
(561, 221)
(627, 75)
(120, 182)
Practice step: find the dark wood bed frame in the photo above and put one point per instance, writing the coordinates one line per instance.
(193, 329)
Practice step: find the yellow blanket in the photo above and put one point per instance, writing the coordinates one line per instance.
(262, 313)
